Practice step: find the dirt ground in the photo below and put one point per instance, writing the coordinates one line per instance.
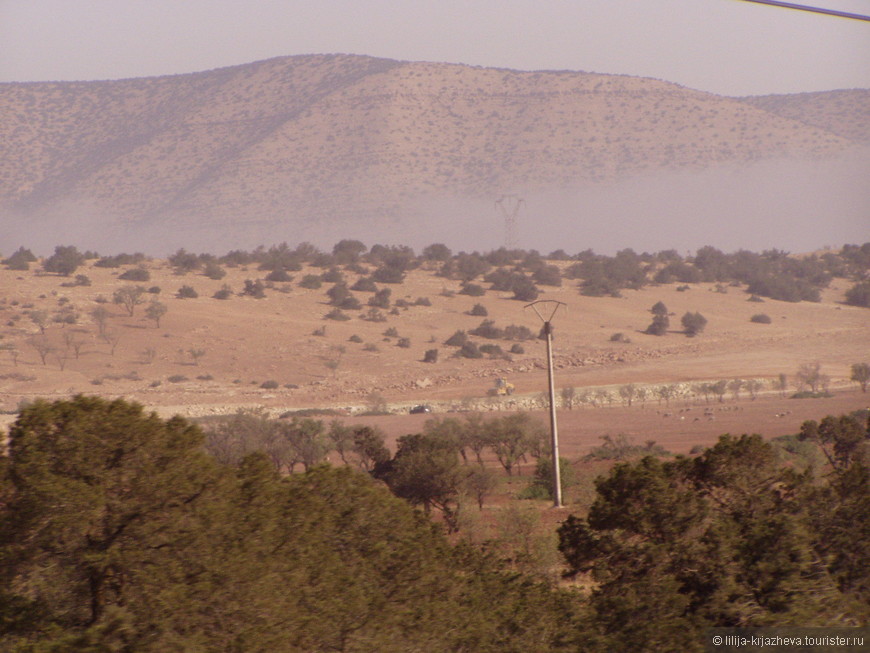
(244, 343)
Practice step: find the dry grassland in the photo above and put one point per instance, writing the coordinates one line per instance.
(245, 342)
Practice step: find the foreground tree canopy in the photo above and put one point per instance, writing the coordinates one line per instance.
(120, 532)
(732, 538)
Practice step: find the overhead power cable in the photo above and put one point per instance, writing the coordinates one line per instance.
(816, 10)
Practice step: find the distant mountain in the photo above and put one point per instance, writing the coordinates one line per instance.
(318, 147)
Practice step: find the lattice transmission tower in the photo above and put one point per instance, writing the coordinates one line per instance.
(510, 205)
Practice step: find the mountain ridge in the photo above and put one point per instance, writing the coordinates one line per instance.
(316, 143)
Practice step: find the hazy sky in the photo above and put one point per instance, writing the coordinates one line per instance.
(723, 46)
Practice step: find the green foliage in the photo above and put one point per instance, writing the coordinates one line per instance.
(364, 284)
(388, 274)
(129, 297)
(311, 281)
(214, 271)
(861, 375)
(622, 447)
(184, 261)
(426, 471)
(341, 297)
(348, 251)
(337, 314)
(155, 311)
(254, 289)
(469, 349)
(487, 329)
(524, 289)
(472, 290)
(65, 260)
(381, 298)
(436, 252)
(693, 323)
(187, 292)
(541, 486)
(513, 436)
(279, 275)
(20, 259)
(547, 275)
(730, 538)
(859, 294)
(659, 325)
(136, 274)
(119, 533)
(224, 293)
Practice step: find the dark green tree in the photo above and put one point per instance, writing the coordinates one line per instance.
(426, 472)
(693, 323)
(65, 260)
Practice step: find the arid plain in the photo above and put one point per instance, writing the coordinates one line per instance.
(210, 356)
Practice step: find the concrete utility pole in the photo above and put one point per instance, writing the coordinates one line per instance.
(545, 305)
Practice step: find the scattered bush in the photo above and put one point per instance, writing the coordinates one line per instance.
(487, 329)
(337, 314)
(269, 385)
(478, 310)
(177, 378)
(404, 343)
(187, 292)
(64, 261)
(136, 274)
(214, 271)
(469, 350)
(659, 325)
(492, 350)
(859, 294)
(472, 290)
(224, 293)
(548, 275)
(514, 332)
(333, 275)
(431, 356)
(254, 289)
(374, 315)
(458, 339)
(355, 338)
(279, 275)
(693, 323)
(381, 298)
(517, 348)
(80, 280)
(364, 284)
(388, 274)
(311, 281)
(760, 318)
